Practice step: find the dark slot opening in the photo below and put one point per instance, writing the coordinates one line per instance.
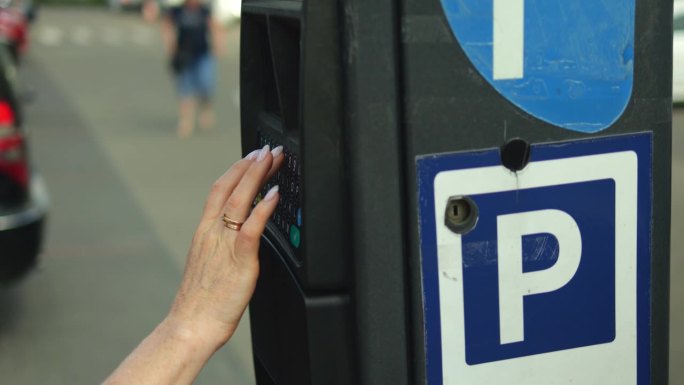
(261, 93)
(285, 37)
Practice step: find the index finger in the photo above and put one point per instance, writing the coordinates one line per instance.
(224, 186)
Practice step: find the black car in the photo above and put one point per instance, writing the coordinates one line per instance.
(23, 197)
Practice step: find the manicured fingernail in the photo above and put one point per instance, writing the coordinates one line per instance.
(276, 151)
(263, 152)
(252, 155)
(271, 193)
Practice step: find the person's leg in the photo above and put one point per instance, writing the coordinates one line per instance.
(186, 117)
(207, 78)
(186, 104)
(207, 119)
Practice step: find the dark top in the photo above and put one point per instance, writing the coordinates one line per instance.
(192, 29)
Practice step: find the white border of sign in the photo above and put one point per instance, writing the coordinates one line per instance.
(613, 363)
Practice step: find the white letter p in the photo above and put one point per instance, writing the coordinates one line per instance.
(514, 285)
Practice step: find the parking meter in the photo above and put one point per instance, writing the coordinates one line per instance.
(473, 191)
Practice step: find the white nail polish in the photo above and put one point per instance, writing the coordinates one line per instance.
(276, 151)
(271, 193)
(263, 152)
(252, 155)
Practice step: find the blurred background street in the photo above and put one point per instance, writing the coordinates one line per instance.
(126, 195)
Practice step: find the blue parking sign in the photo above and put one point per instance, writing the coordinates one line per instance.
(551, 286)
(569, 63)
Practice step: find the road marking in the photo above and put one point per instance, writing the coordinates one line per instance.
(112, 36)
(142, 36)
(81, 35)
(50, 36)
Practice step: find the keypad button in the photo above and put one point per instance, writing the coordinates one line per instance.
(295, 236)
(288, 215)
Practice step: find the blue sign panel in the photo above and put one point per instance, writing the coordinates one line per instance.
(569, 63)
(591, 318)
(553, 279)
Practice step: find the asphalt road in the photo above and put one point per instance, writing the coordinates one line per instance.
(126, 195)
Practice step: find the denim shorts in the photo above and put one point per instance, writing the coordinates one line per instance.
(198, 79)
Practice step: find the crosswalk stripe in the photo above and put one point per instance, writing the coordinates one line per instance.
(112, 36)
(81, 35)
(50, 36)
(142, 37)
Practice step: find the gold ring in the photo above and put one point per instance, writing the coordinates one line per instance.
(231, 223)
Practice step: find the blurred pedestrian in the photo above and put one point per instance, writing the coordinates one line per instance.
(150, 10)
(193, 39)
(219, 278)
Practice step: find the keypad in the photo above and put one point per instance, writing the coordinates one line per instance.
(288, 214)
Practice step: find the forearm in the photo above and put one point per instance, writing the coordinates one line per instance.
(217, 37)
(171, 354)
(168, 36)
(218, 280)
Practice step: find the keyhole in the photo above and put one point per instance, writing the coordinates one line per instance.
(461, 214)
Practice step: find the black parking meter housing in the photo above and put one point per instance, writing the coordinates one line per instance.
(355, 91)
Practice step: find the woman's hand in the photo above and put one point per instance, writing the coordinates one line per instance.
(218, 281)
(222, 264)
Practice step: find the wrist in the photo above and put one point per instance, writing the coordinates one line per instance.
(193, 335)
(191, 330)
